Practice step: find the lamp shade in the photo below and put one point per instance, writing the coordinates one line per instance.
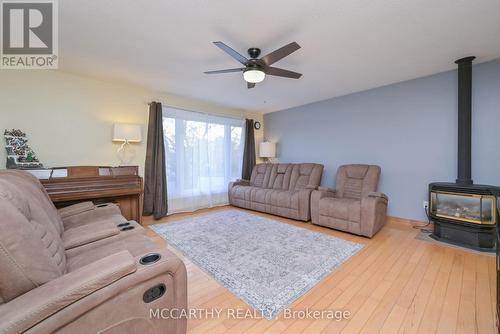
(267, 150)
(127, 132)
(254, 76)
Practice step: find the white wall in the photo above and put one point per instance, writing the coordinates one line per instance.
(68, 118)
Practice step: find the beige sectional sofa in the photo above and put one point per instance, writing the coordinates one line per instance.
(292, 191)
(279, 189)
(81, 269)
(354, 206)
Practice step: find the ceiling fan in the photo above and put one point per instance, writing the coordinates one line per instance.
(255, 69)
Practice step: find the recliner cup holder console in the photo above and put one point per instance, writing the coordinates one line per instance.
(150, 259)
(127, 228)
(123, 224)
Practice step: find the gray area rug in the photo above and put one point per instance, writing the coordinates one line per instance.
(265, 263)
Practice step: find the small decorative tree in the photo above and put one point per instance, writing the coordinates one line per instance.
(19, 154)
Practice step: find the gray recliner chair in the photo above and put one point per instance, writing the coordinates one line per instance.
(354, 206)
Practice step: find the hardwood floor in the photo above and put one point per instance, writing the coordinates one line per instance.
(395, 284)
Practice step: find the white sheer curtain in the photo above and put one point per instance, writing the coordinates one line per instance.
(204, 153)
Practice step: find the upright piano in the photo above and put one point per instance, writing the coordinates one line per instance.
(99, 184)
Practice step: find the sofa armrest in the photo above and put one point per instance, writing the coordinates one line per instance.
(96, 213)
(238, 182)
(75, 209)
(373, 213)
(103, 310)
(85, 234)
(377, 194)
(316, 197)
(304, 203)
(241, 182)
(40, 303)
(327, 189)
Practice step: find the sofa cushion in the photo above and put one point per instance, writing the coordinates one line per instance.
(341, 208)
(75, 209)
(136, 244)
(352, 188)
(356, 181)
(305, 176)
(260, 175)
(285, 199)
(281, 198)
(98, 212)
(85, 234)
(260, 195)
(35, 212)
(280, 176)
(34, 192)
(30, 255)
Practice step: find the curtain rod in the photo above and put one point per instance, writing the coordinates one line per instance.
(200, 112)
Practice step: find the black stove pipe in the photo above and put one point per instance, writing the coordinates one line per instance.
(464, 119)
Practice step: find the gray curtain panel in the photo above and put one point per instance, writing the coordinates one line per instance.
(249, 151)
(155, 174)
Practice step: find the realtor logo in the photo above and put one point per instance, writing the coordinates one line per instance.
(29, 34)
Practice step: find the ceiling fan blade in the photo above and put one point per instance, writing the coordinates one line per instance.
(279, 72)
(250, 85)
(225, 71)
(232, 53)
(280, 53)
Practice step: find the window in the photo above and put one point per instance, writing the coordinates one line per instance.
(204, 153)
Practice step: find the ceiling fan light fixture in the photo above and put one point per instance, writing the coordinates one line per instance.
(253, 75)
(255, 69)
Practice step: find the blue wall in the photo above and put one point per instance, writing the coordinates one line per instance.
(408, 128)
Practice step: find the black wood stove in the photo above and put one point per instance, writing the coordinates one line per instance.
(464, 213)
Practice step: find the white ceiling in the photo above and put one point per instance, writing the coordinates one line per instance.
(347, 45)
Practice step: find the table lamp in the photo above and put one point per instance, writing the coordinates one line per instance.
(267, 150)
(126, 133)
